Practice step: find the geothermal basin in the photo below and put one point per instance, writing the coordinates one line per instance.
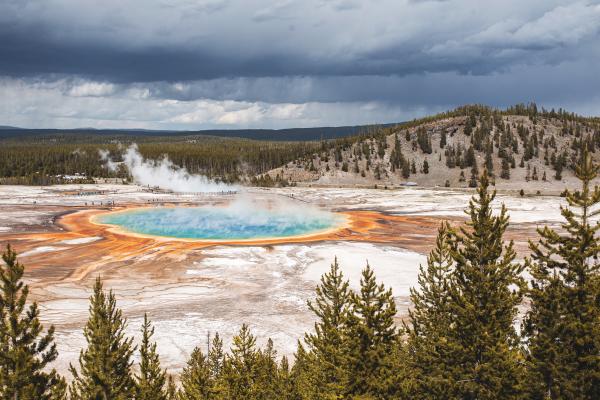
(222, 223)
(204, 264)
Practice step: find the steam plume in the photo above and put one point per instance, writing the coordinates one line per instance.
(163, 173)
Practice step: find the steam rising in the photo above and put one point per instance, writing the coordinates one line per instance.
(163, 173)
(110, 164)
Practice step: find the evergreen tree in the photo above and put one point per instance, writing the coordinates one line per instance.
(405, 169)
(489, 162)
(328, 342)
(485, 295)
(171, 389)
(240, 368)
(25, 352)
(151, 379)
(470, 157)
(266, 381)
(105, 365)
(430, 321)
(216, 361)
(216, 357)
(301, 375)
(558, 167)
(474, 176)
(563, 324)
(505, 172)
(372, 340)
(286, 381)
(196, 382)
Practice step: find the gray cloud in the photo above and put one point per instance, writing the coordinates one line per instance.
(183, 40)
(289, 61)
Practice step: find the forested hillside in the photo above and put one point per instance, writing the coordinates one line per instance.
(518, 146)
(522, 146)
(44, 160)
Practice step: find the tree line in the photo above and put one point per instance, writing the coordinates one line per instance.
(463, 337)
(231, 160)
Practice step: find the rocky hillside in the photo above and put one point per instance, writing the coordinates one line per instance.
(524, 148)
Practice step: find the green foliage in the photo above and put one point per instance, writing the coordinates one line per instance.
(485, 294)
(461, 337)
(372, 338)
(42, 160)
(563, 324)
(105, 365)
(424, 141)
(328, 343)
(505, 171)
(430, 353)
(196, 379)
(152, 379)
(25, 352)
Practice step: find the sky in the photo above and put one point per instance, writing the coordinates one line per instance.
(203, 64)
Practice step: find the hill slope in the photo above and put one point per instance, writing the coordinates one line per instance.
(523, 148)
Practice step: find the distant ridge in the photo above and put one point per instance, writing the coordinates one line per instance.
(290, 134)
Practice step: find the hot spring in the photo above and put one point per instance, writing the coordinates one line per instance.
(222, 223)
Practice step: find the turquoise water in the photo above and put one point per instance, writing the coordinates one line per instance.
(216, 223)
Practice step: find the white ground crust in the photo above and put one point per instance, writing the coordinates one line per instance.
(223, 287)
(267, 288)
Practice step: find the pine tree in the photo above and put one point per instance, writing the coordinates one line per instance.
(216, 357)
(372, 339)
(216, 361)
(489, 162)
(405, 169)
(266, 381)
(196, 381)
(171, 390)
(240, 367)
(105, 365)
(25, 352)
(151, 379)
(563, 324)
(327, 344)
(301, 376)
(474, 176)
(430, 322)
(505, 171)
(286, 381)
(485, 296)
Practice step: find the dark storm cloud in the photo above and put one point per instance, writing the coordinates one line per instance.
(289, 62)
(205, 40)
